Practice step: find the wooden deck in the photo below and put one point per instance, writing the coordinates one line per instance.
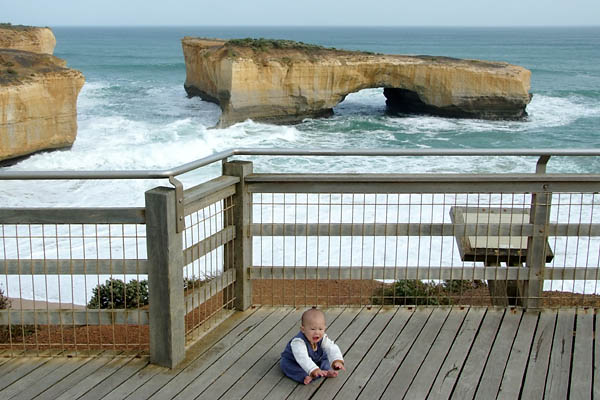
(391, 353)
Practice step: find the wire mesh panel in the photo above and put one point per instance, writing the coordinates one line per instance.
(416, 248)
(73, 288)
(208, 256)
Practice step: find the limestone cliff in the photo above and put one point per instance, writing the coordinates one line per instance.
(27, 38)
(282, 81)
(38, 98)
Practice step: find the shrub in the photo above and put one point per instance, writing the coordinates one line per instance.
(411, 292)
(460, 286)
(4, 301)
(117, 294)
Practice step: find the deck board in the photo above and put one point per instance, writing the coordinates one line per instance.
(389, 352)
(474, 367)
(395, 355)
(419, 387)
(581, 379)
(557, 380)
(415, 357)
(511, 384)
(449, 372)
(489, 385)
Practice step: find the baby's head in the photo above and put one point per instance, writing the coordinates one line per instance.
(313, 325)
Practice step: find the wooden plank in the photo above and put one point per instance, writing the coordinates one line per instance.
(58, 387)
(214, 382)
(205, 291)
(395, 355)
(597, 356)
(489, 384)
(90, 381)
(389, 229)
(240, 377)
(413, 272)
(207, 193)
(208, 349)
(420, 183)
(512, 230)
(359, 335)
(74, 317)
(583, 366)
(73, 267)
(421, 384)
(21, 369)
(269, 380)
(557, 381)
(419, 350)
(114, 380)
(514, 373)
(19, 386)
(63, 216)
(66, 367)
(537, 366)
(217, 361)
(133, 382)
(474, 365)
(209, 244)
(361, 364)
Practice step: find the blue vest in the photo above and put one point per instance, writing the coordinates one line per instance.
(315, 355)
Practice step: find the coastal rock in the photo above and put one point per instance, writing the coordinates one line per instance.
(38, 98)
(285, 82)
(27, 38)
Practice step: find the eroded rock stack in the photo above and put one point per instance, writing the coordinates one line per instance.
(38, 93)
(285, 82)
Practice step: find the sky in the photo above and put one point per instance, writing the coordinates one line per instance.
(301, 13)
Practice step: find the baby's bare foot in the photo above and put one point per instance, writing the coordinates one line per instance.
(332, 373)
(307, 380)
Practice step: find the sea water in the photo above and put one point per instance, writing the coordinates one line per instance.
(133, 112)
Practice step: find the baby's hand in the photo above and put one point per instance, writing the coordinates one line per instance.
(337, 364)
(318, 372)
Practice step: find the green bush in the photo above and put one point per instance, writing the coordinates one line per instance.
(4, 301)
(117, 294)
(411, 292)
(461, 286)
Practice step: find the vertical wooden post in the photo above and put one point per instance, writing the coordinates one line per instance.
(165, 278)
(242, 245)
(532, 289)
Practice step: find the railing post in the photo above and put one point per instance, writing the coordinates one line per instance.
(241, 217)
(532, 289)
(165, 278)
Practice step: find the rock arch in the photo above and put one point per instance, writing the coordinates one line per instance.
(286, 85)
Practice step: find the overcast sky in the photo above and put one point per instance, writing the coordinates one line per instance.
(305, 12)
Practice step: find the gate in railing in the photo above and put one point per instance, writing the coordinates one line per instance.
(153, 279)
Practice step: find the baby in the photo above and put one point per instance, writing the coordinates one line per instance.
(311, 354)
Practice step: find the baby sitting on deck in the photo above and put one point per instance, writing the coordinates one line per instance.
(307, 356)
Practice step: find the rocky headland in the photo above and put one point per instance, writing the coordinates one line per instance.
(282, 81)
(38, 94)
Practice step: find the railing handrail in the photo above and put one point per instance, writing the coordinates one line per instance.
(223, 155)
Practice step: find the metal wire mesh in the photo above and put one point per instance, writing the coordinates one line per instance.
(73, 288)
(208, 254)
(331, 249)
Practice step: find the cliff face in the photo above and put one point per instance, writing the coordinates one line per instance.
(288, 84)
(38, 98)
(27, 38)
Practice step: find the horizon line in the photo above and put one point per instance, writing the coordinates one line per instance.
(314, 26)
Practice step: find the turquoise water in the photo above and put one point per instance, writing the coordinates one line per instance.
(134, 113)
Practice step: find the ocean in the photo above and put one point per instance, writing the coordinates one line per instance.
(133, 113)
